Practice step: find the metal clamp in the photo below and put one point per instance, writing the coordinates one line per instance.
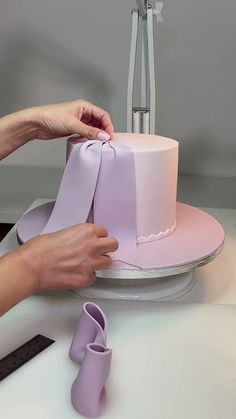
(138, 120)
(157, 12)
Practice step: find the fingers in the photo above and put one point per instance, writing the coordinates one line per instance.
(90, 132)
(91, 112)
(88, 277)
(95, 123)
(94, 133)
(104, 119)
(84, 282)
(103, 244)
(107, 245)
(99, 230)
(87, 229)
(102, 262)
(91, 279)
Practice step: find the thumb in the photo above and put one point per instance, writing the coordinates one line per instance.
(89, 132)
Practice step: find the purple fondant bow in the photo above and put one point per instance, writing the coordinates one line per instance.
(99, 179)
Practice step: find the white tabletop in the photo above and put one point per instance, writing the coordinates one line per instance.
(170, 360)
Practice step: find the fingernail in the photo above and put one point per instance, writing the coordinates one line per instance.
(103, 136)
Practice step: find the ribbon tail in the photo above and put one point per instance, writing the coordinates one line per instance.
(76, 193)
(115, 201)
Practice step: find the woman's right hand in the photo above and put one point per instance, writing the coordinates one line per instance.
(69, 257)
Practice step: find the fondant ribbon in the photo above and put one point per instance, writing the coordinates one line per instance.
(115, 200)
(100, 177)
(77, 188)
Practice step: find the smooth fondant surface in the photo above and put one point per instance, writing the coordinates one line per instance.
(197, 235)
(129, 186)
(156, 169)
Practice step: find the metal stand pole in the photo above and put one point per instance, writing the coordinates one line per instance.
(142, 119)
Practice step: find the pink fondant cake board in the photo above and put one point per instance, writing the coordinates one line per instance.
(196, 236)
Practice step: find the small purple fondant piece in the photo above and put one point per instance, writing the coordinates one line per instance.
(88, 395)
(92, 328)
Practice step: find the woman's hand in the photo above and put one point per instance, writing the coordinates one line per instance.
(66, 259)
(69, 257)
(78, 117)
(54, 121)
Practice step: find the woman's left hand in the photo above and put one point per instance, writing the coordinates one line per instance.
(77, 117)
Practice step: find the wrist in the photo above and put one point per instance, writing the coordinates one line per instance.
(28, 275)
(17, 129)
(28, 262)
(17, 281)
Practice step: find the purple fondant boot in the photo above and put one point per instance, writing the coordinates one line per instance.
(88, 395)
(92, 328)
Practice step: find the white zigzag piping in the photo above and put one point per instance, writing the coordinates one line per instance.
(153, 237)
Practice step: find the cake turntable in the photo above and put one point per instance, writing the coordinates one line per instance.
(168, 282)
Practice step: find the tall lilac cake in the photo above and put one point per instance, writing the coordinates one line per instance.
(156, 171)
(129, 186)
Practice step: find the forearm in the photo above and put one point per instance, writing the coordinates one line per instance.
(16, 281)
(16, 130)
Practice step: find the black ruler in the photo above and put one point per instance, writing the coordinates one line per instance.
(23, 354)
